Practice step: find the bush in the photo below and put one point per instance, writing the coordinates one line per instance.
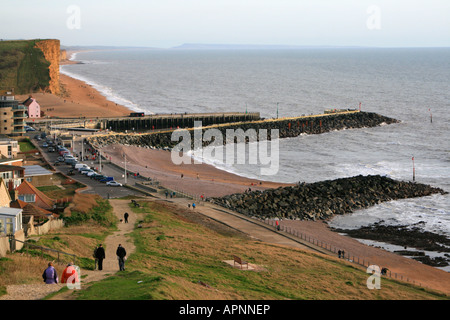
(101, 213)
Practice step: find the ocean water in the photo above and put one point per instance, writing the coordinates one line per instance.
(411, 85)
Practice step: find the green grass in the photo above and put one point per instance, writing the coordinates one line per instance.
(102, 214)
(134, 285)
(26, 146)
(23, 67)
(178, 259)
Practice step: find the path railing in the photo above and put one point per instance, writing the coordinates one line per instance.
(61, 256)
(345, 254)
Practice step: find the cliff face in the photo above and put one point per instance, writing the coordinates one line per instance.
(63, 55)
(51, 50)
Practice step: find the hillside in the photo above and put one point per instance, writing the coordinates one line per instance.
(181, 255)
(30, 65)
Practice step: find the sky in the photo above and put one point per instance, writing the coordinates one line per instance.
(169, 23)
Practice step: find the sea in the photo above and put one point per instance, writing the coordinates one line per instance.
(408, 84)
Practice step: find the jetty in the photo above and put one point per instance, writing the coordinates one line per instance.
(137, 122)
(287, 127)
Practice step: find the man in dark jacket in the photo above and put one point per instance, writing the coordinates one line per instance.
(121, 253)
(100, 255)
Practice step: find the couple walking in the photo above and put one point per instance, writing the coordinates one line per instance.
(99, 255)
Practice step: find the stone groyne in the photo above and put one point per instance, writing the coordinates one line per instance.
(287, 127)
(322, 200)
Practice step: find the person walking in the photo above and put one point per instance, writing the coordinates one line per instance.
(121, 254)
(100, 255)
(68, 272)
(50, 275)
(125, 216)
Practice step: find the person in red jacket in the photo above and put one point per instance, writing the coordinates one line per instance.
(70, 274)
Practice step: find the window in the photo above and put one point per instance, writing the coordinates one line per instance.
(9, 226)
(2, 230)
(27, 197)
(29, 179)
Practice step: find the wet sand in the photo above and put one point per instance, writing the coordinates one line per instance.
(213, 182)
(82, 100)
(197, 179)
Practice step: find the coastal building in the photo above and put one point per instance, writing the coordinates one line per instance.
(12, 176)
(33, 108)
(38, 176)
(8, 147)
(5, 197)
(12, 114)
(10, 220)
(28, 193)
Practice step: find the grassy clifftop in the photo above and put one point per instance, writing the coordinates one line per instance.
(24, 67)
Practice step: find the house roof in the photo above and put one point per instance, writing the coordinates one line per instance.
(5, 211)
(6, 168)
(28, 101)
(31, 209)
(9, 161)
(27, 188)
(36, 170)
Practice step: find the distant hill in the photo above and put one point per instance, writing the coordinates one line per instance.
(200, 46)
(29, 65)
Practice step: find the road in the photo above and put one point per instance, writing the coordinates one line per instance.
(94, 186)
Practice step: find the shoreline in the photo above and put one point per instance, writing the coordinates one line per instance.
(78, 99)
(87, 101)
(193, 179)
(212, 181)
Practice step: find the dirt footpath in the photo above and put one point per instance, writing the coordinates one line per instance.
(110, 264)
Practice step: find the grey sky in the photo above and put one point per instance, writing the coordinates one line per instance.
(167, 23)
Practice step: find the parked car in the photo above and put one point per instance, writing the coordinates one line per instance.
(85, 172)
(107, 179)
(114, 184)
(79, 166)
(71, 162)
(45, 145)
(91, 173)
(99, 177)
(51, 149)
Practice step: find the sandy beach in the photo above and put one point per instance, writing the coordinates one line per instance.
(213, 182)
(193, 179)
(81, 100)
(77, 99)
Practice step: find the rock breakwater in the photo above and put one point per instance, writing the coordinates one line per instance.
(289, 127)
(322, 200)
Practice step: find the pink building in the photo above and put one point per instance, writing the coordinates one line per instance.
(34, 109)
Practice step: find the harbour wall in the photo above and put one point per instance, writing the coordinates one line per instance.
(324, 199)
(287, 127)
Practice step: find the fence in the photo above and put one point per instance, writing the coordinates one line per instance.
(333, 249)
(27, 246)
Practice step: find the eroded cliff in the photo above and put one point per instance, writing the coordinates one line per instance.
(51, 50)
